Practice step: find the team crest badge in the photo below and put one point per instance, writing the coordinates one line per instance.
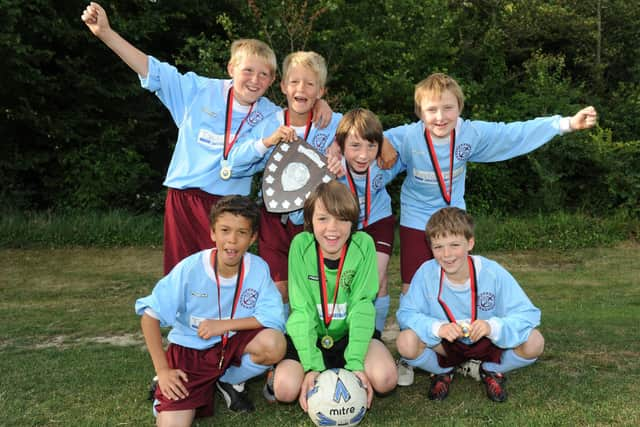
(254, 118)
(486, 301)
(293, 171)
(378, 182)
(463, 151)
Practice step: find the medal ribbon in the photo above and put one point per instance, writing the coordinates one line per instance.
(287, 122)
(323, 283)
(227, 126)
(236, 295)
(367, 195)
(474, 293)
(436, 165)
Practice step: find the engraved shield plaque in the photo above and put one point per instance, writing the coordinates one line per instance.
(293, 171)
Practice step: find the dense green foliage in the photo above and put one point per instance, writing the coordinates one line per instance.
(78, 132)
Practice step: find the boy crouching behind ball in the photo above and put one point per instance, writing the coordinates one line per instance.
(333, 281)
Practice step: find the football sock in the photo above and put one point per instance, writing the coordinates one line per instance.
(508, 362)
(247, 369)
(155, 411)
(382, 310)
(428, 361)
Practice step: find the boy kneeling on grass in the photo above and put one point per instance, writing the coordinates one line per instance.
(226, 316)
(461, 307)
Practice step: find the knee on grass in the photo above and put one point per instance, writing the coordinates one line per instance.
(533, 347)
(268, 347)
(287, 380)
(409, 345)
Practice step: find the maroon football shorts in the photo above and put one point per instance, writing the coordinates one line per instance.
(383, 234)
(458, 352)
(274, 241)
(201, 367)
(186, 224)
(414, 251)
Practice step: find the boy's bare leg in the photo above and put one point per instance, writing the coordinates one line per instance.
(287, 380)
(176, 418)
(533, 347)
(380, 367)
(267, 348)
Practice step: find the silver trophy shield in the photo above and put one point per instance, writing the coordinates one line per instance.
(292, 172)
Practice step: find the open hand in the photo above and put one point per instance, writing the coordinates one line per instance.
(367, 386)
(307, 384)
(171, 383)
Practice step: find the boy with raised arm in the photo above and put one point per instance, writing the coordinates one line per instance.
(213, 117)
(434, 152)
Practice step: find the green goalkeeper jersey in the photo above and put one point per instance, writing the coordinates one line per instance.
(353, 313)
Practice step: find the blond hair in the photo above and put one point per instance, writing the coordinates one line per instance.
(337, 199)
(363, 123)
(243, 48)
(433, 87)
(450, 221)
(311, 60)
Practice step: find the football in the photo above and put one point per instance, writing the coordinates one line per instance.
(338, 398)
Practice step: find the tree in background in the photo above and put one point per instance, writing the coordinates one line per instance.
(78, 132)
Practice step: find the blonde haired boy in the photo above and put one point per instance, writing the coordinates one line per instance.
(213, 117)
(304, 75)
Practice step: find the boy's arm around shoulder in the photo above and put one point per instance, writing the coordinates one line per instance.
(250, 156)
(414, 312)
(95, 17)
(399, 141)
(391, 172)
(388, 155)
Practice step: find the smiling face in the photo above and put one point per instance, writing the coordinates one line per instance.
(330, 232)
(440, 114)
(302, 88)
(451, 251)
(232, 235)
(251, 76)
(358, 152)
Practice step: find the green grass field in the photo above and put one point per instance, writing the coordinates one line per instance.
(72, 354)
